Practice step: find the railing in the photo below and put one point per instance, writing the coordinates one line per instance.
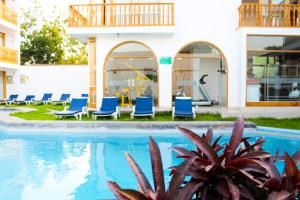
(8, 55)
(269, 15)
(8, 14)
(122, 14)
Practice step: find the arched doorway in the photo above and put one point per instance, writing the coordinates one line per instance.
(199, 72)
(130, 71)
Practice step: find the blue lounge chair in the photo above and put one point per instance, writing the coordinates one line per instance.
(143, 107)
(10, 99)
(45, 99)
(85, 95)
(77, 109)
(28, 100)
(183, 108)
(109, 107)
(64, 98)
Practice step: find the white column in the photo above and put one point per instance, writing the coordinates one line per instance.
(165, 86)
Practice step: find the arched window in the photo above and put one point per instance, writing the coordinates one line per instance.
(131, 71)
(199, 72)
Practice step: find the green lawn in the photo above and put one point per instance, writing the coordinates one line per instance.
(42, 113)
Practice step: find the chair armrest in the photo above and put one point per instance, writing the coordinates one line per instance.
(66, 108)
(133, 109)
(84, 110)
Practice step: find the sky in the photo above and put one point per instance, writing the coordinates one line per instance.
(49, 5)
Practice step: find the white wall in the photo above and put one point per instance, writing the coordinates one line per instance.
(211, 21)
(215, 22)
(50, 79)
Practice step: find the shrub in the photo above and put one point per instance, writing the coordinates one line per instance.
(234, 170)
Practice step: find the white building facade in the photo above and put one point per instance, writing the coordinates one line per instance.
(249, 51)
(9, 42)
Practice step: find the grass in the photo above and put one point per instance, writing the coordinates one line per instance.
(42, 113)
(292, 123)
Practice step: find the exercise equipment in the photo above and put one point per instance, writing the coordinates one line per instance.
(140, 78)
(206, 101)
(124, 95)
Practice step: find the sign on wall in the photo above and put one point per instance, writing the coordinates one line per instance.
(165, 61)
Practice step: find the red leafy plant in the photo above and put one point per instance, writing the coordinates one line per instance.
(287, 185)
(213, 171)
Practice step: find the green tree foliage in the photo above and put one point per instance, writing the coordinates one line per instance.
(45, 41)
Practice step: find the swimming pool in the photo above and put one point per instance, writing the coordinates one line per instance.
(65, 166)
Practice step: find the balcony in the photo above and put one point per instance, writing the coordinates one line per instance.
(269, 15)
(8, 15)
(122, 15)
(8, 55)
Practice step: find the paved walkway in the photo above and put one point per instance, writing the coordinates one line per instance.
(255, 112)
(8, 121)
(4, 113)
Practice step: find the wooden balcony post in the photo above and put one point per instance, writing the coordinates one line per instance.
(92, 72)
(4, 83)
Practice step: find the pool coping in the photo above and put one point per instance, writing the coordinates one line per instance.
(276, 130)
(119, 124)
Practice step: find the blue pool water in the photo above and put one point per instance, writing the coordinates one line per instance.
(64, 166)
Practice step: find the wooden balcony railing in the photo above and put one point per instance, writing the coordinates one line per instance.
(122, 15)
(8, 14)
(8, 55)
(269, 15)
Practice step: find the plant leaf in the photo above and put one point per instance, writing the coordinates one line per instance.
(247, 164)
(272, 184)
(246, 193)
(188, 190)
(143, 182)
(201, 144)
(270, 167)
(178, 178)
(215, 144)
(235, 140)
(257, 155)
(183, 152)
(133, 195)
(116, 190)
(296, 157)
(247, 149)
(290, 167)
(223, 189)
(209, 136)
(283, 195)
(157, 167)
(250, 177)
(234, 189)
